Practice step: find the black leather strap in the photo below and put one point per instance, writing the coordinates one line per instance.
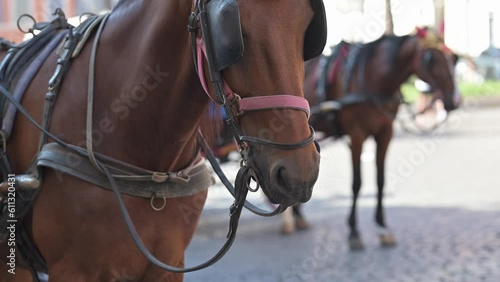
(282, 146)
(217, 169)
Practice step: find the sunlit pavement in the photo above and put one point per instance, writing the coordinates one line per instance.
(443, 204)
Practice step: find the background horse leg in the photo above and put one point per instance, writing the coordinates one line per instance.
(387, 239)
(300, 221)
(288, 227)
(355, 242)
(293, 220)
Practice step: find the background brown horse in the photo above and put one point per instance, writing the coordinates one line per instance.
(77, 226)
(362, 95)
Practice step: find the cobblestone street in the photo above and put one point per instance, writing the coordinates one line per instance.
(442, 203)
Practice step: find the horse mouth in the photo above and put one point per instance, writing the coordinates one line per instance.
(287, 195)
(288, 182)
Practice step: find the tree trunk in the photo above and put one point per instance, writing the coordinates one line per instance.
(389, 21)
(439, 17)
(108, 4)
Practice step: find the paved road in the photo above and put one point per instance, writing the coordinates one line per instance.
(443, 204)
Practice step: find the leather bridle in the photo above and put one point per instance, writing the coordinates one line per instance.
(236, 106)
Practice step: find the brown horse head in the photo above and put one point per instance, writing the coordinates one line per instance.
(435, 64)
(273, 64)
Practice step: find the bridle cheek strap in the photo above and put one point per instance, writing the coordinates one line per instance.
(201, 57)
(202, 52)
(417, 61)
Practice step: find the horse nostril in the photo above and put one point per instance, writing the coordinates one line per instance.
(280, 177)
(318, 148)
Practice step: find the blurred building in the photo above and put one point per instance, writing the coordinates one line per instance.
(465, 22)
(364, 20)
(42, 10)
(468, 26)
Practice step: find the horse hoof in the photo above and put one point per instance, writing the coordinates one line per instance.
(301, 224)
(287, 229)
(388, 240)
(355, 244)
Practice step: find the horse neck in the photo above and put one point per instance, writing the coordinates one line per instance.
(152, 89)
(388, 77)
(407, 60)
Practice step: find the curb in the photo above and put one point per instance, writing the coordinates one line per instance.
(484, 101)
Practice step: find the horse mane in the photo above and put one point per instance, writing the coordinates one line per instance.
(361, 53)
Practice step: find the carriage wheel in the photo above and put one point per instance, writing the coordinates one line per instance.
(423, 121)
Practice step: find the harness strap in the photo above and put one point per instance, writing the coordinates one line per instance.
(5, 44)
(134, 181)
(85, 29)
(339, 59)
(417, 60)
(90, 94)
(282, 146)
(24, 81)
(217, 169)
(235, 212)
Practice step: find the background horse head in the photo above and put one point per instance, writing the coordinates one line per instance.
(148, 105)
(356, 92)
(435, 64)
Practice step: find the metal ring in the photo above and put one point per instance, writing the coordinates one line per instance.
(160, 208)
(24, 16)
(85, 16)
(257, 185)
(252, 176)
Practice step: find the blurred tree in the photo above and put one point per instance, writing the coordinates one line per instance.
(439, 16)
(389, 21)
(108, 4)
